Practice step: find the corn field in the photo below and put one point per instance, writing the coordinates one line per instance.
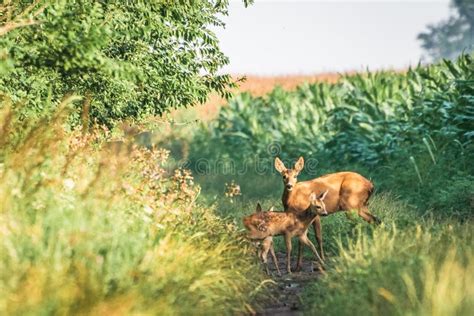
(366, 118)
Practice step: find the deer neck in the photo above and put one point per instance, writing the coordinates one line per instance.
(306, 217)
(286, 198)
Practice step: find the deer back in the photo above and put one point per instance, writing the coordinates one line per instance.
(344, 189)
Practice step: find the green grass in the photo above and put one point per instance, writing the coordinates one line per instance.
(423, 270)
(91, 231)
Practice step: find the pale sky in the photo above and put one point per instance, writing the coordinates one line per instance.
(307, 37)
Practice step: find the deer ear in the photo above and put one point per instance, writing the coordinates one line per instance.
(279, 165)
(323, 195)
(312, 197)
(271, 209)
(299, 165)
(259, 208)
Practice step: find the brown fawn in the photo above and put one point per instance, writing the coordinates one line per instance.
(264, 225)
(347, 191)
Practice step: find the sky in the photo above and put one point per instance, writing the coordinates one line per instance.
(309, 37)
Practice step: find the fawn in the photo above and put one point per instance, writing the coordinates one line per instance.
(348, 191)
(264, 225)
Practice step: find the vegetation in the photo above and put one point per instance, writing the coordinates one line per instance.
(129, 59)
(93, 227)
(411, 133)
(91, 223)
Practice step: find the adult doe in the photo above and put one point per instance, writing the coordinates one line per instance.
(264, 225)
(347, 191)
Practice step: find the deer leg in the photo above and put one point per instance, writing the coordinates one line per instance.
(275, 261)
(318, 233)
(299, 263)
(305, 240)
(288, 253)
(368, 217)
(266, 245)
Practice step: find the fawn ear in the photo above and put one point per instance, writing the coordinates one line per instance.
(312, 197)
(259, 208)
(323, 195)
(279, 165)
(299, 165)
(271, 209)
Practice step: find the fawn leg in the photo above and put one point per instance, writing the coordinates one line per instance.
(275, 261)
(266, 245)
(305, 240)
(288, 253)
(299, 263)
(319, 235)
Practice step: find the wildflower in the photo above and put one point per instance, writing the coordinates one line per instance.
(69, 184)
(232, 189)
(148, 210)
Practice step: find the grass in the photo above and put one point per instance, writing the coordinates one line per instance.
(90, 230)
(426, 269)
(94, 227)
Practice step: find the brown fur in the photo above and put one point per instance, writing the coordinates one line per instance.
(347, 191)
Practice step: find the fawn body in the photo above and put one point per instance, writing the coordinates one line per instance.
(347, 191)
(264, 225)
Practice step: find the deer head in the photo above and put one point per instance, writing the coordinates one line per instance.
(289, 175)
(317, 203)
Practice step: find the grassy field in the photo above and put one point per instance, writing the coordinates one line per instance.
(113, 203)
(410, 133)
(91, 224)
(93, 227)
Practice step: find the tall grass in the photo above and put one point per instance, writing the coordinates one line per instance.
(93, 227)
(423, 270)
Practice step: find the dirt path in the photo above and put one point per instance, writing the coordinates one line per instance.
(288, 290)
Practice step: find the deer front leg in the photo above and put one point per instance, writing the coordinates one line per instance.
(299, 263)
(319, 235)
(305, 240)
(288, 253)
(266, 246)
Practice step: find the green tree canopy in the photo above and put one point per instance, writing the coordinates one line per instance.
(133, 58)
(449, 38)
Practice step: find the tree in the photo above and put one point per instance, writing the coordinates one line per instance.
(448, 39)
(133, 58)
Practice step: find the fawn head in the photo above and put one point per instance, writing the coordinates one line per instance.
(258, 208)
(289, 175)
(317, 203)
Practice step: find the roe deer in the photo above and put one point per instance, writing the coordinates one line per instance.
(264, 225)
(347, 191)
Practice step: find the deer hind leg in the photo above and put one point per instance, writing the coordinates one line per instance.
(358, 202)
(318, 233)
(275, 261)
(367, 216)
(305, 240)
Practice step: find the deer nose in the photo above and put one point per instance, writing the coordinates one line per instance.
(289, 186)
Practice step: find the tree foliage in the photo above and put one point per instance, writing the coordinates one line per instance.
(132, 58)
(449, 38)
